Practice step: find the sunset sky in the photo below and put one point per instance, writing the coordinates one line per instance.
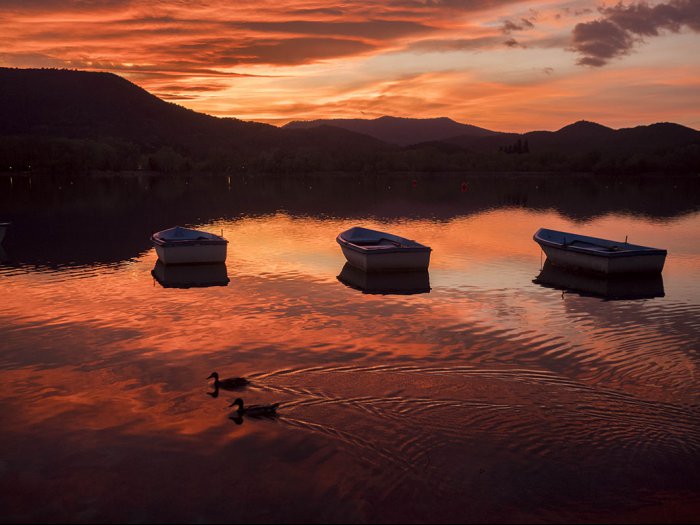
(507, 65)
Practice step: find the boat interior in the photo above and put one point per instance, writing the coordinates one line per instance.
(179, 233)
(378, 243)
(593, 246)
(588, 243)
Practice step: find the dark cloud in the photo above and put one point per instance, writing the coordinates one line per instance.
(372, 29)
(623, 26)
(327, 11)
(223, 52)
(212, 86)
(420, 9)
(509, 26)
(62, 5)
(600, 41)
(299, 50)
(174, 96)
(575, 12)
(512, 42)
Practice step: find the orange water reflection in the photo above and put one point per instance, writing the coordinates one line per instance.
(374, 385)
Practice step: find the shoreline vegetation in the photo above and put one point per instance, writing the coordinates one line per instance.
(119, 211)
(83, 122)
(50, 154)
(409, 176)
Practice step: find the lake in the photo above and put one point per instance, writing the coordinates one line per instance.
(492, 389)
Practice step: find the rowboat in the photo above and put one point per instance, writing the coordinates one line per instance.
(608, 287)
(603, 256)
(190, 275)
(375, 251)
(385, 283)
(186, 246)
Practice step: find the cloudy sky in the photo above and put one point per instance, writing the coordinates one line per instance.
(503, 64)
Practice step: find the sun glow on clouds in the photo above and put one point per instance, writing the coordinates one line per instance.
(510, 64)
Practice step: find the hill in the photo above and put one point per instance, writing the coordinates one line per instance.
(92, 114)
(587, 136)
(77, 121)
(401, 131)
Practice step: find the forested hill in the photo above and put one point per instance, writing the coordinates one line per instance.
(401, 131)
(83, 121)
(79, 104)
(55, 116)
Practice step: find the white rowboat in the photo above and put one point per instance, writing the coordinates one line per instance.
(603, 256)
(375, 251)
(185, 246)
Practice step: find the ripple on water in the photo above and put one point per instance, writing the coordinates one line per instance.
(491, 395)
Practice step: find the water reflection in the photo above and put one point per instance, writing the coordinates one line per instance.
(488, 399)
(238, 419)
(386, 283)
(190, 275)
(606, 287)
(229, 384)
(119, 213)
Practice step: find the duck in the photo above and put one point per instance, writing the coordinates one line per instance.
(229, 383)
(254, 410)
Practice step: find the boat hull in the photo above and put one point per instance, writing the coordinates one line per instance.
(192, 254)
(643, 263)
(387, 262)
(600, 256)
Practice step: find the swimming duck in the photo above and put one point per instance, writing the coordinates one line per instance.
(254, 410)
(230, 383)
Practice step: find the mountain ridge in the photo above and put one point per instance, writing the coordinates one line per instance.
(78, 120)
(403, 131)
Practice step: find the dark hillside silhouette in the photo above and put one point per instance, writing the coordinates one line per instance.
(401, 131)
(583, 135)
(92, 114)
(79, 104)
(587, 146)
(76, 121)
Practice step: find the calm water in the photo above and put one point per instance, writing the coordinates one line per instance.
(488, 398)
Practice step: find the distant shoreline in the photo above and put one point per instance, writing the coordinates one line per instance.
(343, 174)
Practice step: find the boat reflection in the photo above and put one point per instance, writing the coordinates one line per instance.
(190, 276)
(606, 287)
(388, 283)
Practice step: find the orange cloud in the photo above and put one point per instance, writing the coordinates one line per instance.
(487, 62)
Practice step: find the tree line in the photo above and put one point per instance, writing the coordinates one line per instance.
(32, 153)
